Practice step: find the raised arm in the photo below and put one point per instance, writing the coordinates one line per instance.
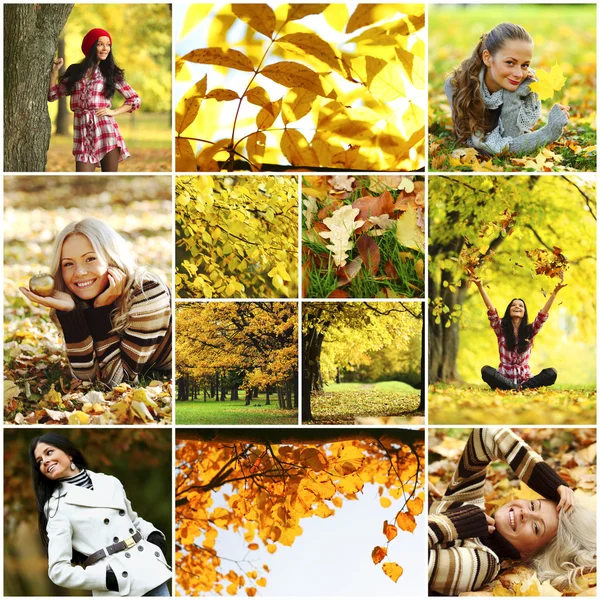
(546, 309)
(483, 293)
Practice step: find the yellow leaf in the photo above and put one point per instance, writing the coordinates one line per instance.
(262, 582)
(258, 96)
(271, 548)
(232, 589)
(185, 159)
(350, 484)
(188, 106)
(297, 104)
(266, 116)
(78, 418)
(408, 232)
(296, 149)
(392, 570)
(500, 590)
(367, 14)
(222, 95)
(312, 44)
(292, 75)
(259, 16)
(233, 59)
(220, 517)
(378, 554)
(11, 390)
(385, 502)
(255, 148)
(336, 16)
(194, 15)
(349, 458)
(549, 82)
(387, 85)
(312, 457)
(415, 507)
(406, 522)
(390, 531)
(209, 539)
(299, 11)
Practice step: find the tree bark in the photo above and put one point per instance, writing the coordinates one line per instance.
(311, 369)
(31, 34)
(62, 116)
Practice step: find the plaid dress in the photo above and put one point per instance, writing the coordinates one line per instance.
(94, 137)
(513, 364)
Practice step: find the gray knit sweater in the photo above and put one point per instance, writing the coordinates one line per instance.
(519, 112)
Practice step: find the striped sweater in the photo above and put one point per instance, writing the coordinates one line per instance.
(95, 353)
(458, 560)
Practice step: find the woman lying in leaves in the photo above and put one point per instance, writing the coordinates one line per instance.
(515, 341)
(466, 546)
(493, 107)
(115, 316)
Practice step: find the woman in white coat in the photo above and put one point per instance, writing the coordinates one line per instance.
(94, 538)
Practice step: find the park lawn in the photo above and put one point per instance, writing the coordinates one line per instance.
(198, 412)
(342, 403)
(452, 404)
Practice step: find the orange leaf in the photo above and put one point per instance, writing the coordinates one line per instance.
(406, 522)
(369, 252)
(385, 501)
(262, 582)
(390, 531)
(371, 206)
(338, 294)
(392, 570)
(378, 554)
(415, 507)
(253, 546)
(390, 270)
(251, 591)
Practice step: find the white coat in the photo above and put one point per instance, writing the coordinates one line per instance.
(88, 520)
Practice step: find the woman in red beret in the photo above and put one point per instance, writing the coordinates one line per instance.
(91, 83)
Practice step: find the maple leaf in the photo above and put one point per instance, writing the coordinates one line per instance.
(549, 82)
(341, 226)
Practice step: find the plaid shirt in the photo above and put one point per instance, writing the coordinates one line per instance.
(458, 560)
(94, 137)
(513, 364)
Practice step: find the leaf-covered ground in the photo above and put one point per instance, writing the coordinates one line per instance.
(563, 35)
(234, 413)
(572, 453)
(38, 385)
(362, 405)
(471, 405)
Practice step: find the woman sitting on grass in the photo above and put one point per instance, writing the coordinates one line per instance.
(115, 316)
(515, 340)
(466, 546)
(493, 107)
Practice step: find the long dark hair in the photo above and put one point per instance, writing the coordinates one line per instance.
(524, 329)
(108, 67)
(44, 487)
(469, 113)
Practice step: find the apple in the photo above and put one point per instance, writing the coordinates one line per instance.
(42, 284)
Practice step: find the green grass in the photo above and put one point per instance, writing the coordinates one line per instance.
(198, 412)
(453, 404)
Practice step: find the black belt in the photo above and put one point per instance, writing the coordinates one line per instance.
(129, 542)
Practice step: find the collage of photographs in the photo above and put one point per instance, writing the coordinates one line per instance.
(299, 299)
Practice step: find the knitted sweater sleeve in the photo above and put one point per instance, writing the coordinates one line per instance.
(96, 353)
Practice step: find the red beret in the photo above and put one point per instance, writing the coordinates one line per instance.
(91, 37)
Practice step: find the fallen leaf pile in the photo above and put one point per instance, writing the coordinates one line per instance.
(552, 264)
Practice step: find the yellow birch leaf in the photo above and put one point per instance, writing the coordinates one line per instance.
(188, 106)
(387, 85)
(259, 16)
(349, 458)
(313, 457)
(222, 95)
(549, 82)
(415, 507)
(185, 159)
(251, 591)
(258, 96)
(390, 531)
(312, 44)
(255, 148)
(385, 502)
(232, 589)
(262, 582)
(291, 74)
(271, 548)
(351, 484)
(406, 522)
(209, 539)
(297, 104)
(220, 517)
(233, 59)
(296, 149)
(378, 554)
(392, 570)
(408, 233)
(299, 11)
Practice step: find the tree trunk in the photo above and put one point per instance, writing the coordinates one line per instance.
(30, 41)
(443, 341)
(295, 389)
(234, 393)
(223, 390)
(423, 382)
(205, 394)
(338, 376)
(288, 395)
(62, 116)
(311, 369)
(248, 397)
(268, 395)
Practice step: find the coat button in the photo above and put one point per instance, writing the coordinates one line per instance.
(124, 573)
(157, 554)
(115, 539)
(131, 530)
(140, 548)
(122, 513)
(106, 521)
(127, 555)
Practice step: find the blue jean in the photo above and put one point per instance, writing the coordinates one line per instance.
(161, 590)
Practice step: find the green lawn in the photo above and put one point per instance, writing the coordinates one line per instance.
(230, 412)
(475, 405)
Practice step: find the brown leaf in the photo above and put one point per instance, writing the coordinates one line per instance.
(348, 272)
(378, 554)
(234, 59)
(369, 252)
(259, 16)
(370, 206)
(222, 95)
(299, 11)
(390, 270)
(338, 294)
(293, 75)
(405, 521)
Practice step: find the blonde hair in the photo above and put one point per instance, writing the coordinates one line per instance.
(113, 249)
(470, 116)
(572, 552)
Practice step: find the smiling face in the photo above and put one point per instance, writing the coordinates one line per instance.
(509, 66)
(517, 309)
(103, 47)
(53, 462)
(527, 524)
(84, 272)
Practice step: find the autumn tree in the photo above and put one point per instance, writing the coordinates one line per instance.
(302, 86)
(343, 334)
(237, 237)
(31, 34)
(264, 484)
(252, 341)
(489, 224)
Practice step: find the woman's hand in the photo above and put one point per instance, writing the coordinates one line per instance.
(531, 74)
(474, 279)
(105, 112)
(57, 64)
(58, 301)
(116, 285)
(564, 108)
(559, 286)
(491, 524)
(567, 499)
